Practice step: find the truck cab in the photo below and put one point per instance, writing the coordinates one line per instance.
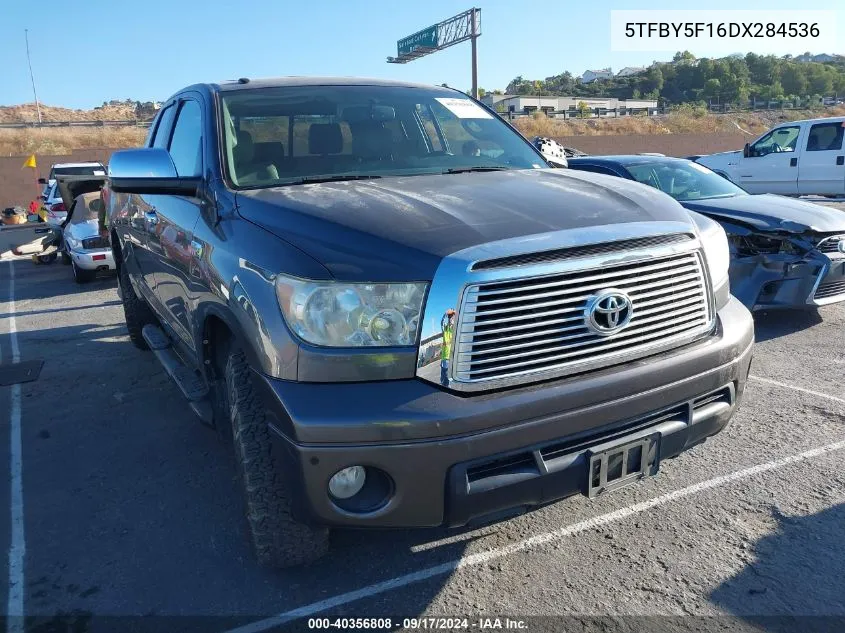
(794, 158)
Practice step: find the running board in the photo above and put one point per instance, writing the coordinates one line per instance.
(192, 386)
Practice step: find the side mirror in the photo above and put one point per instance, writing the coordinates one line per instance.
(42, 181)
(552, 151)
(746, 151)
(149, 170)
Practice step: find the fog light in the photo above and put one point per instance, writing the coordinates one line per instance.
(347, 483)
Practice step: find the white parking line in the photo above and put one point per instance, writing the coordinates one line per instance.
(17, 548)
(818, 394)
(540, 539)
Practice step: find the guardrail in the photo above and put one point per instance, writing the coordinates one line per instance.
(28, 124)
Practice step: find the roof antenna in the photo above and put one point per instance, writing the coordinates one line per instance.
(243, 80)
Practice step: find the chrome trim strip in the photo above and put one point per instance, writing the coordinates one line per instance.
(454, 275)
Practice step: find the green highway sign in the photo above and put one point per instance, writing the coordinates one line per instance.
(426, 38)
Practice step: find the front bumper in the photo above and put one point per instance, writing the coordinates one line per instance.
(453, 458)
(769, 282)
(94, 259)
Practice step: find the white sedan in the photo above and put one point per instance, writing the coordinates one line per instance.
(85, 249)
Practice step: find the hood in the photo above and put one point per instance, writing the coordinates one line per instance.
(768, 212)
(720, 158)
(84, 230)
(401, 227)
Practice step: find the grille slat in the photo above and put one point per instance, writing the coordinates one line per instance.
(830, 289)
(603, 279)
(645, 337)
(519, 327)
(667, 275)
(647, 325)
(831, 244)
(643, 317)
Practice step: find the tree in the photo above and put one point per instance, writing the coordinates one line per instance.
(481, 92)
(712, 88)
(583, 109)
(793, 79)
(684, 56)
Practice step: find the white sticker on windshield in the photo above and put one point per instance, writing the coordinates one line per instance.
(99, 172)
(463, 108)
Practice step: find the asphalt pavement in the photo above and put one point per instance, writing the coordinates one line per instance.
(131, 515)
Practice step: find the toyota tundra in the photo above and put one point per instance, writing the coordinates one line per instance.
(401, 316)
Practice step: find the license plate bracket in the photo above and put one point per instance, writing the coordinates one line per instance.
(621, 464)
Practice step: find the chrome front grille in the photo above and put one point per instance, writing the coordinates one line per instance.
(830, 245)
(830, 289)
(521, 330)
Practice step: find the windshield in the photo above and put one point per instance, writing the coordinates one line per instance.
(300, 134)
(684, 180)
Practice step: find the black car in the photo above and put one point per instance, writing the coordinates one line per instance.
(785, 253)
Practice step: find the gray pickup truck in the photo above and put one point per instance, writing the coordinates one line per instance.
(401, 316)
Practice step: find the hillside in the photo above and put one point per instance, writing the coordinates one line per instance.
(113, 111)
(734, 79)
(684, 120)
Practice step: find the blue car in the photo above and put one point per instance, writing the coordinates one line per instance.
(785, 253)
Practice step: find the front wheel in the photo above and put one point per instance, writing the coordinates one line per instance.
(278, 539)
(135, 310)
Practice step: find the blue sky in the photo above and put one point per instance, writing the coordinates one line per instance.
(84, 53)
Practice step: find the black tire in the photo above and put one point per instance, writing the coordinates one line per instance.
(277, 538)
(81, 276)
(47, 259)
(135, 310)
(66, 260)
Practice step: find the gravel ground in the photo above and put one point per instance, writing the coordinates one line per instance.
(131, 508)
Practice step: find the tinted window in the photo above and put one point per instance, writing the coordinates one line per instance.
(284, 135)
(825, 137)
(782, 139)
(162, 132)
(186, 143)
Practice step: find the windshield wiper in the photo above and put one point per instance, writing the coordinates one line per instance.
(464, 170)
(334, 178)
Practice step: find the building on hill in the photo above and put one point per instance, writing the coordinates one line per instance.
(526, 104)
(590, 76)
(628, 71)
(820, 58)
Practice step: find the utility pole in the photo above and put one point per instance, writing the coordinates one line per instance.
(474, 40)
(31, 77)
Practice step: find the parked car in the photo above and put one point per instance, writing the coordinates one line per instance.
(795, 158)
(87, 168)
(785, 253)
(54, 209)
(85, 250)
(396, 332)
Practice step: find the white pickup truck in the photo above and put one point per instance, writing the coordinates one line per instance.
(795, 158)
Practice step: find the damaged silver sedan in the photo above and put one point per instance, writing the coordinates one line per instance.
(785, 252)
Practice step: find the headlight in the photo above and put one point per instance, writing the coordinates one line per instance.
(716, 250)
(336, 314)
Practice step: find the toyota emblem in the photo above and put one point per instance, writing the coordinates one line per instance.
(608, 312)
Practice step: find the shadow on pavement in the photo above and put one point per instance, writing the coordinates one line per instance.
(776, 323)
(796, 580)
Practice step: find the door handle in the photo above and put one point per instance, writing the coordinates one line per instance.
(793, 162)
(840, 160)
(151, 217)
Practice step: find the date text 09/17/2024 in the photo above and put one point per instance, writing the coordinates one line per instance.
(420, 623)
